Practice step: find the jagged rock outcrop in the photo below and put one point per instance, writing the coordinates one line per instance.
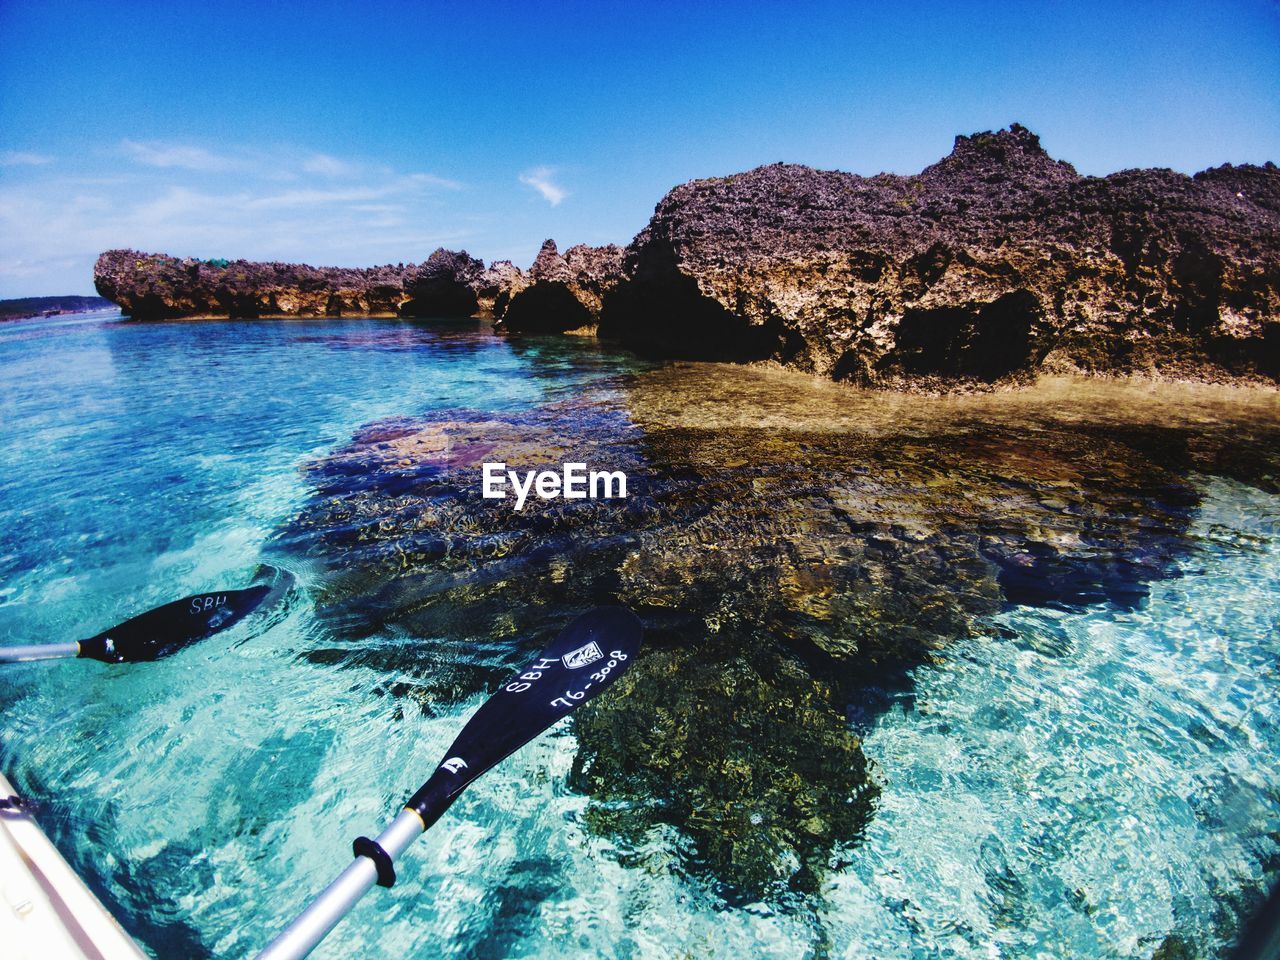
(499, 282)
(155, 287)
(998, 261)
(444, 286)
(564, 292)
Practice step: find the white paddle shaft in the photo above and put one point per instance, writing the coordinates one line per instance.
(327, 910)
(39, 651)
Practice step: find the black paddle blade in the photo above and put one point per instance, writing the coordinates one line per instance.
(585, 659)
(167, 629)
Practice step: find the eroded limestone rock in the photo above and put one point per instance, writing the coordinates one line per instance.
(157, 287)
(564, 292)
(993, 264)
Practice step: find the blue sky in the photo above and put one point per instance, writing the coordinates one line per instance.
(355, 134)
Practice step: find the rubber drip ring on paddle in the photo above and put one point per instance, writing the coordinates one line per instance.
(364, 847)
(14, 803)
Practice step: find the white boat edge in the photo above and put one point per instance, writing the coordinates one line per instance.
(46, 910)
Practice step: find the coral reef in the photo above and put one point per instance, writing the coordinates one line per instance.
(789, 578)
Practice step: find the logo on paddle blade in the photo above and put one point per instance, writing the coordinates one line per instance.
(576, 659)
(454, 764)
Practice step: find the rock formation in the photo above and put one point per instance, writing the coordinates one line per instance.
(994, 262)
(499, 282)
(444, 286)
(564, 292)
(157, 287)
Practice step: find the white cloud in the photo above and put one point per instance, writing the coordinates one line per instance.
(175, 155)
(406, 186)
(278, 164)
(52, 231)
(275, 202)
(23, 158)
(320, 198)
(327, 166)
(431, 180)
(540, 179)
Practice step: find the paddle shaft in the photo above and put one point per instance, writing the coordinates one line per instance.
(39, 651)
(584, 660)
(337, 900)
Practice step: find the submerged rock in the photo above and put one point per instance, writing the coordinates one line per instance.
(787, 576)
(564, 292)
(997, 262)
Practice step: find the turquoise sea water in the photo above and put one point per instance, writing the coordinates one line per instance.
(1085, 783)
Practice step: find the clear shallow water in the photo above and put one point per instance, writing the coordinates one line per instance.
(1095, 781)
(1083, 785)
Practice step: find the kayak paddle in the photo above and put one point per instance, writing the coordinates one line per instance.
(167, 629)
(588, 655)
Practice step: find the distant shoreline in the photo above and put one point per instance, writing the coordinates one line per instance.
(24, 308)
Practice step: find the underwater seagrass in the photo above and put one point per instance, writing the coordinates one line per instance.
(793, 549)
